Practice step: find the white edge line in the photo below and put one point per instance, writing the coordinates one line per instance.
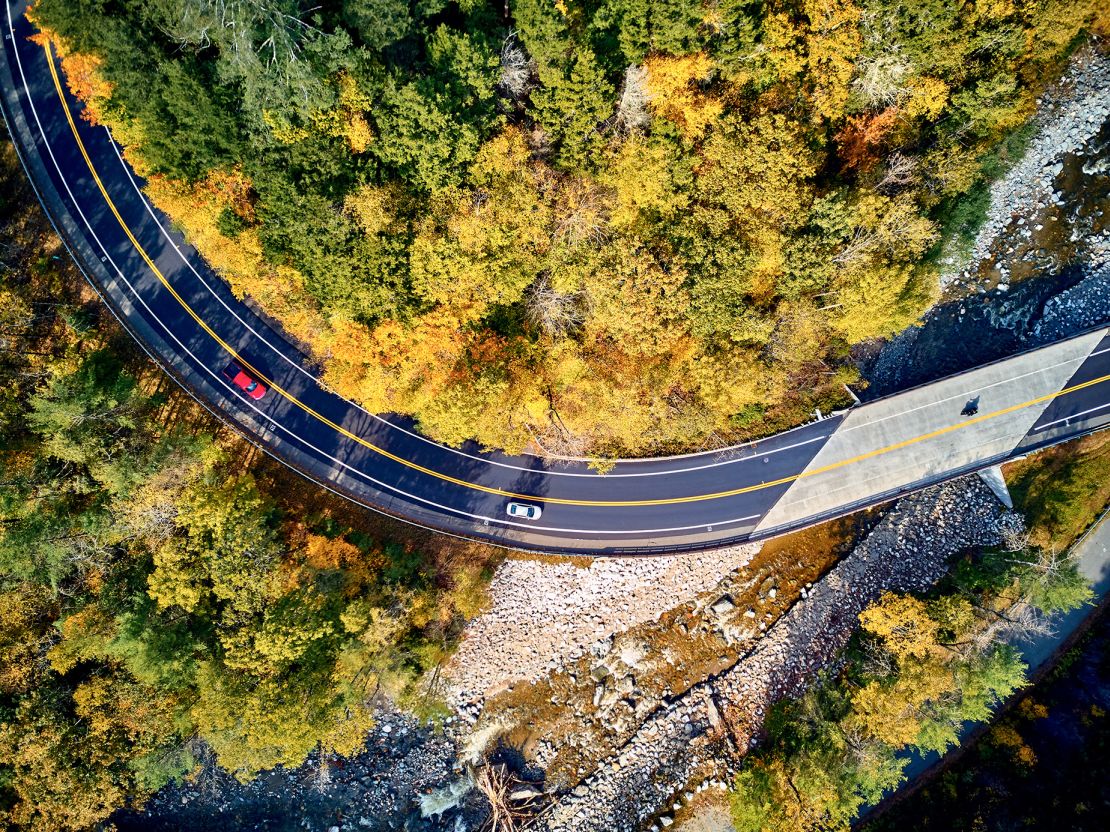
(1047, 425)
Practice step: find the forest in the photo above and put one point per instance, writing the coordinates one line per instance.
(166, 600)
(580, 227)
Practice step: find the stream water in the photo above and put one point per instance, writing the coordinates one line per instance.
(997, 319)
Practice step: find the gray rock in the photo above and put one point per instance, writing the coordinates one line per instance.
(723, 605)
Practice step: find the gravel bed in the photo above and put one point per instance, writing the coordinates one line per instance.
(545, 614)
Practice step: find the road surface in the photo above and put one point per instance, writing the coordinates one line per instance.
(187, 319)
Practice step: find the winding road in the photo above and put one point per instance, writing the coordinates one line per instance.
(189, 322)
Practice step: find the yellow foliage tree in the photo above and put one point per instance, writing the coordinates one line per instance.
(730, 381)
(927, 98)
(759, 171)
(879, 290)
(22, 611)
(121, 716)
(394, 367)
(472, 250)
(376, 208)
(638, 305)
(483, 406)
(176, 578)
(903, 625)
(801, 328)
(641, 175)
(872, 301)
(832, 46)
(672, 85)
(254, 725)
(953, 169)
(1007, 736)
(57, 790)
(783, 48)
(1054, 25)
(893, 712)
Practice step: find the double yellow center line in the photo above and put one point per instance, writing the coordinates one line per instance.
(484, 488)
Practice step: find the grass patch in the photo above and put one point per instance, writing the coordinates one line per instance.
(961, 217)
(1062, 490)
(1007, 153)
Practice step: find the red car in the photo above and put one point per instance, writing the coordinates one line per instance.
(238, 376)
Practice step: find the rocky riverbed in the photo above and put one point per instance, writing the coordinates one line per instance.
(1049, 209)
(377, 790)
(693, 742)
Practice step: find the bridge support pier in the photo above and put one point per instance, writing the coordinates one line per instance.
(993, 478)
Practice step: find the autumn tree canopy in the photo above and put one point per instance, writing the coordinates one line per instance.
(580, 226)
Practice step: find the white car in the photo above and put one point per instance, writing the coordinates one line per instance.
(524, 511)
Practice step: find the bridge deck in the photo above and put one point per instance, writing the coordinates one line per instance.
(919, 436)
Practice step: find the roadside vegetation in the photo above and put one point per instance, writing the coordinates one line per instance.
(164, 597)
(1062, 490)
(922, 666)
(1044, 761)
(592, 228)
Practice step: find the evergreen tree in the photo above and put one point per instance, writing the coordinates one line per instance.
(571, 108)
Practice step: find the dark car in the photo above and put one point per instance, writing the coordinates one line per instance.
(238, 376)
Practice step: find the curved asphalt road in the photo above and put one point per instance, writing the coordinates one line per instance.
(189, 322)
